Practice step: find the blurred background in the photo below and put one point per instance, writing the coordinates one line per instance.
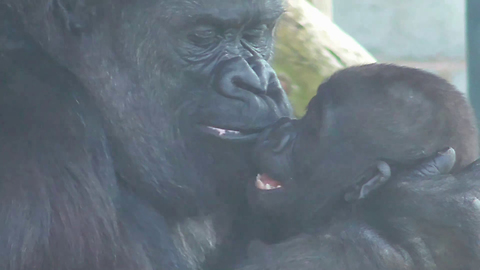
(428, 34)
(318, 37)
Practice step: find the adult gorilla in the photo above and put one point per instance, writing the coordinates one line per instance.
(124, 128)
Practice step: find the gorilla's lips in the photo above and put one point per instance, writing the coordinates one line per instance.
(265, 182)
(230, 134)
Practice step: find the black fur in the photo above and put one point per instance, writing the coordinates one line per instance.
(364, 132)
(106, 157)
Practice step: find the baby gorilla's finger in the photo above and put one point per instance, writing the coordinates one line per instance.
(442, 163)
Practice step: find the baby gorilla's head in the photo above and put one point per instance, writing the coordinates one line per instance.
(360, 116)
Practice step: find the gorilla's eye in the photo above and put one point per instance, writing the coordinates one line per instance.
(256, 34)
(203, 35)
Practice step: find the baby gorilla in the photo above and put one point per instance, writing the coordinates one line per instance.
(365, 124)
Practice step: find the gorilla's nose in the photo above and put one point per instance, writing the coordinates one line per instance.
(235, 76)
(248, 80)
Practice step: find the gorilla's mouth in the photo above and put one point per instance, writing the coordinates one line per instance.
(230, 134)
(265, 182)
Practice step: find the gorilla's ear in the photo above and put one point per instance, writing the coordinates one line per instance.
(75, 15)
(370, 181)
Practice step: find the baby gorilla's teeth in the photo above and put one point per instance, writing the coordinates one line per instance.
(259, 184)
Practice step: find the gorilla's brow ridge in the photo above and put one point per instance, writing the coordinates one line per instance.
(260, 14)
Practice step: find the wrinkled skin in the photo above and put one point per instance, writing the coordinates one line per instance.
(340, 191)
(113, 154)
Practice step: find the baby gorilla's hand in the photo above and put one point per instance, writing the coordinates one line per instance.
(442, 163)
(380, 173)
(433, 212)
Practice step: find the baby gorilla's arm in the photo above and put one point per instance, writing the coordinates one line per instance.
(419, 220)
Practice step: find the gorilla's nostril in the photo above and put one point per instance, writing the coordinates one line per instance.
(281, 143)
(250, 85)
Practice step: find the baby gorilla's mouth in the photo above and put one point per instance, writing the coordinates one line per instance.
(265, 182)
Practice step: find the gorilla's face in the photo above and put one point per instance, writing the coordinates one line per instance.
(183, 86)
(167, 65)
(211, 55)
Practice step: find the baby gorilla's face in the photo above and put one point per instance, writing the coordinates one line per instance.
(274, 186)
(304, 164)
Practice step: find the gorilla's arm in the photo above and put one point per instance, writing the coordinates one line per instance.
(50, 140)
(57, 184)
(422, 220)
(346, 245)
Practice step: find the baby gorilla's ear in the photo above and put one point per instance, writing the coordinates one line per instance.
(370, 181)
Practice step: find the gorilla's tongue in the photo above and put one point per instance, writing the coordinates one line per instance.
(264, 182)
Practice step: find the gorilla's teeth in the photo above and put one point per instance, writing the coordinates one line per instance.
(222, 131)
(219, 130)
(233, 131)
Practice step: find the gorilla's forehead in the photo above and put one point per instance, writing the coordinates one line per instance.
(235, 11)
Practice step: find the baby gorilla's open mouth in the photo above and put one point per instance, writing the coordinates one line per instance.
(265, 182)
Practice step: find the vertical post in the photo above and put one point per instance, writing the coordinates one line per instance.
(325, 6)
(473, 53)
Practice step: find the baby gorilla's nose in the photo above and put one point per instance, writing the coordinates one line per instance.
(280, 144)
(276, 138)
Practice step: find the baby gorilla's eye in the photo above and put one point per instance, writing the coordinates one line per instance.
(203, 36)
(255, 35)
